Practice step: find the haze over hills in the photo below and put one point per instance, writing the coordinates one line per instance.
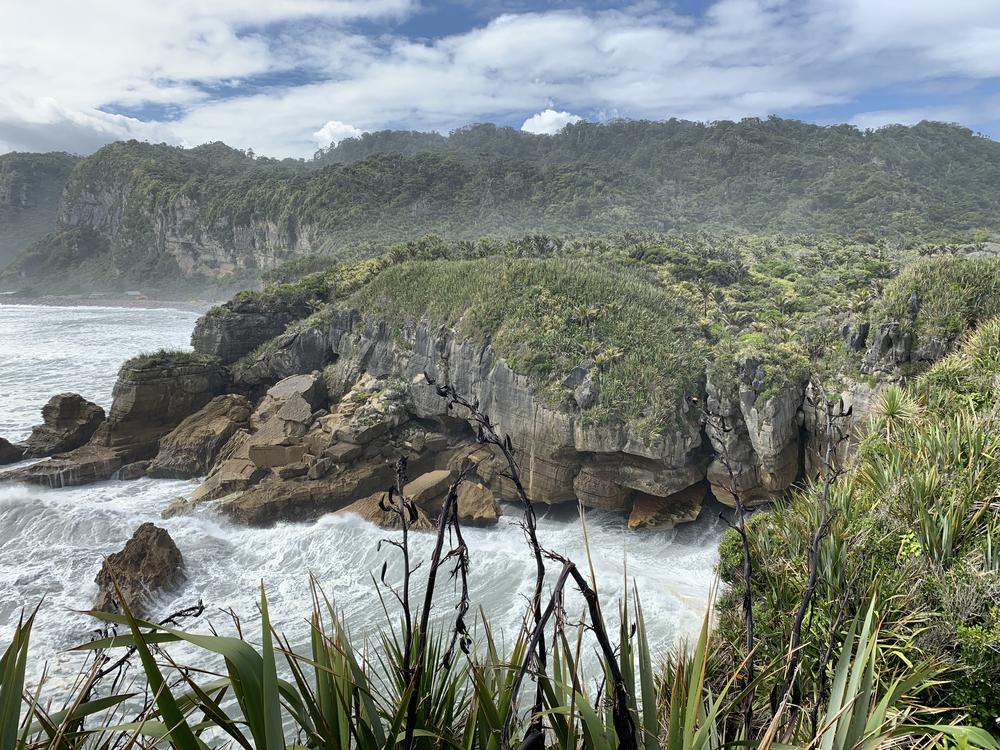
(134, 212)
(30, 188)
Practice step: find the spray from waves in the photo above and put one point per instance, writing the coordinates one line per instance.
(52, 542)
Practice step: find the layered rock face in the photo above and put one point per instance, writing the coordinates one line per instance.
(191, 448)
(214, 247)
(238, 327)
(563, 456)
(68, 421)
(148, 563)
(148, 403)
(755, 437)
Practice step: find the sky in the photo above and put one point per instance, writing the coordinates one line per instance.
(285, 78)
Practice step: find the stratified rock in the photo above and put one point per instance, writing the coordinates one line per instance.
(891, 347)
(236, 328)
(370, 509)
(343, 453)
(191, 448)
(10, 453)
(150, 399)
(760, 440)
(304, 349)
(667, 512)
(428, 487)
(308, 387)
(476, 505)
(303, 499)
(68, 421)
(597, 491)
(149, 562)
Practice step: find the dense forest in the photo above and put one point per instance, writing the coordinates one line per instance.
(135, 211)
(30, 188)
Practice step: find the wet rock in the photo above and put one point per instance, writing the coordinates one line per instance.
(68, 421)
(10, 453)
(667, 512)
(132, 471)
(86, 465)
(301, 500)
(371, 509)
(148, 563)
(229, 476)
(191, 448)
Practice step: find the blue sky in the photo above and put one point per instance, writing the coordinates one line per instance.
(285, 78)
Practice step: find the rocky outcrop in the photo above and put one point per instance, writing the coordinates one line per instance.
(233, 330)
(649, 511)
(148, 563)
(893, 346)
(375, 510)
(10, 453)
(149, 401)
(755, 436)
(555, 444)
(300, 350)
(68, 421)
(191, 448)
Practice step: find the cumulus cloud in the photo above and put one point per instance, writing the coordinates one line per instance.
(549, 121)
(334, 132)
(273, 76)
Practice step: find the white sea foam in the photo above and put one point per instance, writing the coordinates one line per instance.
(52, 541)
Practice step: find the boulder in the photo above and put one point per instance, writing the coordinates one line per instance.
(68, 421)
(10, 453)
(227, 477)
(308, 387)
(191, 448)
(369, 508)
(343, 453)
(429, 487)
(149, 562)
(667, 512)
(277, 500)
(476, 505)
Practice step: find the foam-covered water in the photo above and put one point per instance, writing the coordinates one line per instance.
(52, 540)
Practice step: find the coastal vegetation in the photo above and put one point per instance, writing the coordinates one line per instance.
(219, 217)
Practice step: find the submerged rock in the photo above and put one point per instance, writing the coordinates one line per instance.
(68, 421)
(148, 563)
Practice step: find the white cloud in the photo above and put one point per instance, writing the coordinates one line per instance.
(741, 58)
(334, 132)
(549, 121)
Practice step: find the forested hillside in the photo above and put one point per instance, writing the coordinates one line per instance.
(134, 211)
(30, 188)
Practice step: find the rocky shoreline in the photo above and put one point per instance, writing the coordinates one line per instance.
(312, 420)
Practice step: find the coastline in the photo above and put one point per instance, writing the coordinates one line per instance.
(115, 301)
